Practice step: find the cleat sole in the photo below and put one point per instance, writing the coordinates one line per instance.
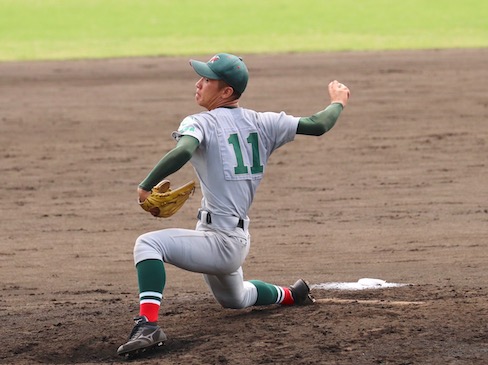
(134, 353)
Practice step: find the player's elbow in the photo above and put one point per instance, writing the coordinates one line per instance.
(310, 127)
(317, 130)
(320, 130)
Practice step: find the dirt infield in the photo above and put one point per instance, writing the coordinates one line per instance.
(398, 190)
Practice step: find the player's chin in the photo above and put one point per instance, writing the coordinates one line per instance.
(199, 101)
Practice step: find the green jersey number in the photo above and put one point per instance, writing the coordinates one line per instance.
(253, 140)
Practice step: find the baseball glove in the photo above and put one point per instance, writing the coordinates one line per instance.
(164, 202)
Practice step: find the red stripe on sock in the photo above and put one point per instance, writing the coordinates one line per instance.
(288, 299)
(150, 310)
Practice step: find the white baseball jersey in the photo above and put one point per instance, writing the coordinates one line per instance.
(235, 145)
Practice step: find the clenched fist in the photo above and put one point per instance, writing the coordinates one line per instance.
(339, 93)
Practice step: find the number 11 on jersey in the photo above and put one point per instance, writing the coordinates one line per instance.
(253, 140)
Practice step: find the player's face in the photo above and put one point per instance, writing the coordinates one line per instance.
(208, 93)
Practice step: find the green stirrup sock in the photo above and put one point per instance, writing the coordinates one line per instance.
(267, 293)
(151, 276)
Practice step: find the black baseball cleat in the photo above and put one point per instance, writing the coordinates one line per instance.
(301, 293)
(144, 336)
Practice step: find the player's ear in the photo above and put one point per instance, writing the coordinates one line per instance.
(227, 92)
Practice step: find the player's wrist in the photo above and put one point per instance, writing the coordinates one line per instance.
(340, 102)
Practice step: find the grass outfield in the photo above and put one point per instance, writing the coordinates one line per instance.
(67, 29)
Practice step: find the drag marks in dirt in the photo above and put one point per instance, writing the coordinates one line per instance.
(368, 302)
(361, 284)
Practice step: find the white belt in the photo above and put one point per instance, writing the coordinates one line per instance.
(222, 221)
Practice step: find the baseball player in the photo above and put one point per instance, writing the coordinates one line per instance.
(229, 147)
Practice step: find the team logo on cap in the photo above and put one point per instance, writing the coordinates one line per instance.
(213, 59)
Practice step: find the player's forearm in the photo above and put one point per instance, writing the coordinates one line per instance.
(320, 122)
(170, 163)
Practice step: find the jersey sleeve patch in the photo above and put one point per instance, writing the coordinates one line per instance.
(189, 127)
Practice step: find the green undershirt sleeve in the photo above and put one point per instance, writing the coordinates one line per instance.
(171, 162)
(320, 122)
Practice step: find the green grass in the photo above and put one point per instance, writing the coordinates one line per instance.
(67, 29)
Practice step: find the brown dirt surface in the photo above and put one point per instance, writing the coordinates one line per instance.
(397, 191)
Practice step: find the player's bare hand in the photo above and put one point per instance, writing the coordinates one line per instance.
(143, 194)
(339, 93)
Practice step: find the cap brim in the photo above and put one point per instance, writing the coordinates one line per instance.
(203, 70)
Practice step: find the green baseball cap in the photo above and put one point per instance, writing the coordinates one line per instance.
(226, 67)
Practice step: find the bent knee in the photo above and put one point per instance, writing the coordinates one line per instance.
(146, 248)
(233, 304)
(141, 243)
(242, 299)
